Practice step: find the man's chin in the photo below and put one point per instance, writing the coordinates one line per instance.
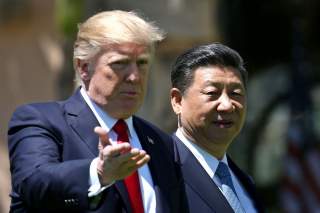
(125, 112)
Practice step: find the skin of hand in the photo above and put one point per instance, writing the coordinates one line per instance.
(117, 161)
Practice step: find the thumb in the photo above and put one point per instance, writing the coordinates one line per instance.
(103, 137)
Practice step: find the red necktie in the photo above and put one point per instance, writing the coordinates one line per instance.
(132, 181)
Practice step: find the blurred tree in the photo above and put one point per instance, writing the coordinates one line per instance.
(11, 10)
(259, 30)
(68, 13)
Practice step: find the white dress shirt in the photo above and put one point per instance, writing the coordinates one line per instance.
(210, 164)
(145, 179)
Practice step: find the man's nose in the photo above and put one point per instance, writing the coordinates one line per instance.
(133, 74)
(225, 103)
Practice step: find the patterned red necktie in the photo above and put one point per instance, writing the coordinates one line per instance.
(132, 181)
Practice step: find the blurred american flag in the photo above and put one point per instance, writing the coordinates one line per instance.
(301, 181)
(300, 189)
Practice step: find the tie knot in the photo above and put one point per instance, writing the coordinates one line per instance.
(222, 171)
(120, 127)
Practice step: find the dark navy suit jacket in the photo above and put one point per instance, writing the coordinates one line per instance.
(51, 146)
(202, 193)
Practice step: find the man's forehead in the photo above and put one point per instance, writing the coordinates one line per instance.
(214, 74)
(130, 49)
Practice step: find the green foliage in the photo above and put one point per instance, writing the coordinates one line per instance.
(68, 14)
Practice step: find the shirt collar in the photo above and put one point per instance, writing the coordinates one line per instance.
(104, 119)
(207, 161)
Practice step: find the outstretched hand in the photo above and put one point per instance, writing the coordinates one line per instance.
(117, 161)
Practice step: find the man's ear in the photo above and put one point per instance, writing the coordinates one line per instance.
(176, 98)
(83, 69)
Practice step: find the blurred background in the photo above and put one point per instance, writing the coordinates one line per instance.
(279, 41)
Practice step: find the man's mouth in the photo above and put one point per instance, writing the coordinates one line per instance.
(223, 123)
(130, 93)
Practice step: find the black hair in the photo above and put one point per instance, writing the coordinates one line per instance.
(211, 54)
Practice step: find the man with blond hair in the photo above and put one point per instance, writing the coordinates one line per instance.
(90, 153)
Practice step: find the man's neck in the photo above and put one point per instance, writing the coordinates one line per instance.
(214, 149)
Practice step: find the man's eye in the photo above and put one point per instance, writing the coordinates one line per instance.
(142, 62)
(212, 93)
(237, 93)
(122, 64)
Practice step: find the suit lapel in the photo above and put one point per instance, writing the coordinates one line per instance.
(124, 195)
(147, 142)
(200, 182)
(158, 164)
(82, 120)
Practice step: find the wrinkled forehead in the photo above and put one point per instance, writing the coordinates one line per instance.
(215, 74)
(129, 49)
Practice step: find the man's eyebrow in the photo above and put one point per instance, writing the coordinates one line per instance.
(144, 56)
(211, 83)
(237, 85)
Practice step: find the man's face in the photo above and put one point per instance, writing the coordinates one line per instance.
(119, 79)
(213, 108)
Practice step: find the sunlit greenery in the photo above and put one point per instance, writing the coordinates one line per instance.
(68, 14)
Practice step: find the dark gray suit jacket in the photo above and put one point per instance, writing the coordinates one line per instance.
(51, 146)
(202, 193)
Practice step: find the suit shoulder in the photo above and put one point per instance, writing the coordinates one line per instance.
(37, 105)
(35, 115)
(28, 110)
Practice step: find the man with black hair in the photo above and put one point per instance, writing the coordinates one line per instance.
(209, 97)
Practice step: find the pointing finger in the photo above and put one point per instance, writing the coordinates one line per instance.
(103, 136)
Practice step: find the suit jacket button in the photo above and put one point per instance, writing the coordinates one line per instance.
(67, 202)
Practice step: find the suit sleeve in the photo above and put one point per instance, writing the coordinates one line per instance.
(40, 178)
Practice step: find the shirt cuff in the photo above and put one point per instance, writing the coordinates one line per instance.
(94, 182)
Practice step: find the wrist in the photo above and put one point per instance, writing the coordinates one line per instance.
(104, 180)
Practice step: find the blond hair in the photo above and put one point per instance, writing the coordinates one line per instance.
(113, 27)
